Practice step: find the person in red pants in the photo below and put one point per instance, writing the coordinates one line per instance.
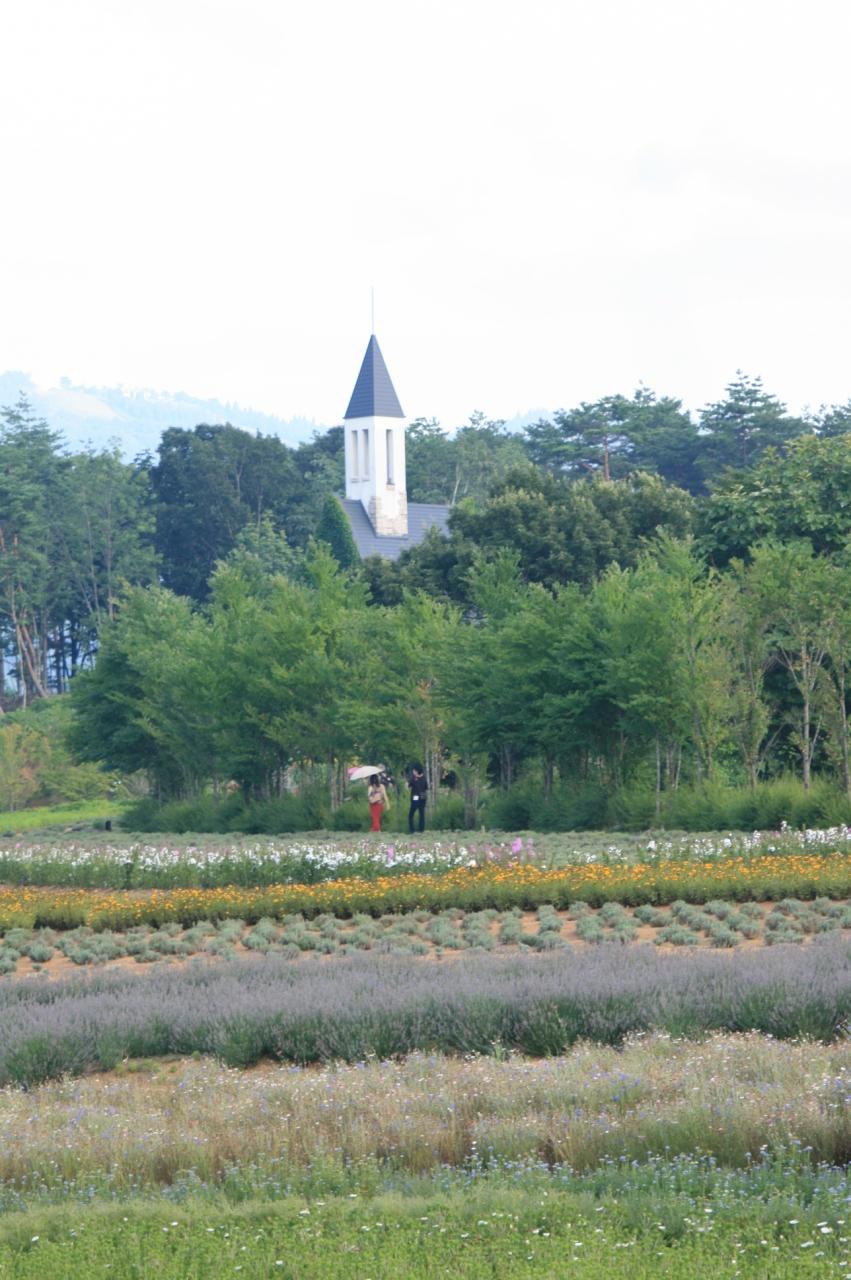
(377, 797)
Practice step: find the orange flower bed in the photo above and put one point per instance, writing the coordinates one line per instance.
(474, 888)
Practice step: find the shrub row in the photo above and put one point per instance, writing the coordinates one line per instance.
(522, 807)
(361, 1005)
(289, 813)
(470, 888)
(709, 807)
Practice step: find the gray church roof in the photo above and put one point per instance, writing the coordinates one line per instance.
(374, 396)
(422, 516)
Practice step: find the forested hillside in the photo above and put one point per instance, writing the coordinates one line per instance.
(629, 603)
(100, 416)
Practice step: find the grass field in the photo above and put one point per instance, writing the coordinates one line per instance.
(472, 1234)
(53, 818)
(141, 1129)
(437, 1167)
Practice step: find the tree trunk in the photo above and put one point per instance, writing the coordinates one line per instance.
(658, 780)
(432, 765)
(549, 769)
(333, 790)
(472, 785)
(843, 731)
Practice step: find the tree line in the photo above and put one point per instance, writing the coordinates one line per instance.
(659, 674)
(519, 642)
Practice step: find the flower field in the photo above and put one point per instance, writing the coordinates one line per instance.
(435, 1165)
(364, 1005)
(217, 862)
(224, 1057)
(737, 878)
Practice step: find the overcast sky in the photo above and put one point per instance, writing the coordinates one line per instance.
(553, 199)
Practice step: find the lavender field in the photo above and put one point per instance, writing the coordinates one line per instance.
(295, 1073)
(359, 1006)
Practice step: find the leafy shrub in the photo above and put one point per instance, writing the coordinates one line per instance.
(720, 935)
(589, 929)
(678, 936)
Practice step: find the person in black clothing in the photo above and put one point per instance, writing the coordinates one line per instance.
(419, 787)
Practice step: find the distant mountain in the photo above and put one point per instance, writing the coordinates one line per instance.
(521, 421)
(137, 419)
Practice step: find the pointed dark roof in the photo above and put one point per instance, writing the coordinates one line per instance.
(373, 396)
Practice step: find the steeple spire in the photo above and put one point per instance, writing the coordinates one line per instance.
(374, 395)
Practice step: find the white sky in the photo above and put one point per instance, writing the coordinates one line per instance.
(554, 199)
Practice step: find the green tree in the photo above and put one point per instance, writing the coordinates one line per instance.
(794, 593)
(561, 531)
(736, 431)
(335, 532)
(260, 554)
(103, 539)
(665, 439)
(22, 755)
(31, 481)
(208, 484)
(483, 452)
(803, 492)
(746, 624)
(835, 605)
(146, 704)
(831, 420)
(321, 463)
(429, 464)
(592, 438)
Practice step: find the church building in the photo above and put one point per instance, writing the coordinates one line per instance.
(382, 520)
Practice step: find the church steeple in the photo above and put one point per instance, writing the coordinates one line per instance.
(374, 395)
(375, 447)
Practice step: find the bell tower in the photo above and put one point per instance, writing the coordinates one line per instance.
(374, 427)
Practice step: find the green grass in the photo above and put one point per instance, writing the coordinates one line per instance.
(50, 817)
(472, 1234)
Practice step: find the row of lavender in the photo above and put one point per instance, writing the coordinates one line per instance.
(354, 1008)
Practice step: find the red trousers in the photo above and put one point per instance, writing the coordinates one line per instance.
(375, 814)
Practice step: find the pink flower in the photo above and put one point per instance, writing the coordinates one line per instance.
(517, 846)
(391, 853)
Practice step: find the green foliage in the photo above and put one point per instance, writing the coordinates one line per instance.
(447, 469)
(801, 492)
(36, 767)
(334, 530)
(524, 1224)
(737, 431)
(561, 531)
(208, 484)
(616, 436)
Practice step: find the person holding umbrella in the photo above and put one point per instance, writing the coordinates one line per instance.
(376, 793)
(377, 796)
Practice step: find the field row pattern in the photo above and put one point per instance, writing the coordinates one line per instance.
(471, 888)
(717, 924)
(360, 1005)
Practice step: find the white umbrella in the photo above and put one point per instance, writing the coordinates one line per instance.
(364, 771)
